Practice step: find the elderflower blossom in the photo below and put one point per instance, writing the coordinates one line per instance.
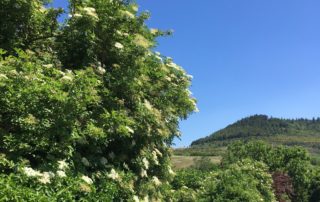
(146, 199)
(91, 12)
(128, 14)
(145, 163)
(113, 175)
(170, 171)
(45, 178)
(31, 172)
(129, 129)
(190, 76)
(155, 158)
(48, 65)
(118, 45)
(135, 8)
(147, 105)
(77, 15)
(61, 173)
(143, 173)
(136, 198)
(62, 165)
(140, 40)
(156, 181)
(158, 152)
(3, 76)
(101, 70)
(66, 78)
(154, 31)
(174, 65)
(87, 179)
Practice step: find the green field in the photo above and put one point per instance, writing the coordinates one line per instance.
(180, 162)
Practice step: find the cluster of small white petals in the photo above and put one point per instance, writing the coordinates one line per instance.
(156, 181)
(155, 157)
(62, 165)
(67, 78)
(145, 163)
(113, 175)
(170, 171)
(136, 198)
(158, 152)
(128, 14)
(87, 179)
(3, 76)
(135, 8)
(148, 105)
(31, 172)
(77, 15)
(174, 65)
(143, 173)
(118, 45)
(145, 199)
(190, 76)
(154, 31)
(48, 65)
(45, 178)
(61, 173)
(91, 12)
(129, 129)
(101, 70)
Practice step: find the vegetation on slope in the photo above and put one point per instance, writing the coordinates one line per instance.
(303, 132)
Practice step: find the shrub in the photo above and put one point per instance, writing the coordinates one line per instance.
(245, 180)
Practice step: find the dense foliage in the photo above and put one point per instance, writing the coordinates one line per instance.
(88, 110)
(254, 171)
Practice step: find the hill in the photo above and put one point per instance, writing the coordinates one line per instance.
(300, 132)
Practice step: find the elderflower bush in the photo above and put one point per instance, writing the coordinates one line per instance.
(93, 94)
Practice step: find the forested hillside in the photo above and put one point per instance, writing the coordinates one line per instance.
(303, 132)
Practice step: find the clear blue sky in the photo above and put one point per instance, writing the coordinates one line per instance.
(247, 57)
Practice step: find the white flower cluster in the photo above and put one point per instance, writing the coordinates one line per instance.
(62, 166)
(156, 181)
(3, 76)
(154, 31)
(101, 70)
(118, 45)
(43, 178)
(155, 157)
(113, 175)
(129, 129)
(143, 173)
(145, 163)
(127, 14)
(148, 105)
(87, 179)
(91, 12)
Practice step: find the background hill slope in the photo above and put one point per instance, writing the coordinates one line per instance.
(300, 132)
